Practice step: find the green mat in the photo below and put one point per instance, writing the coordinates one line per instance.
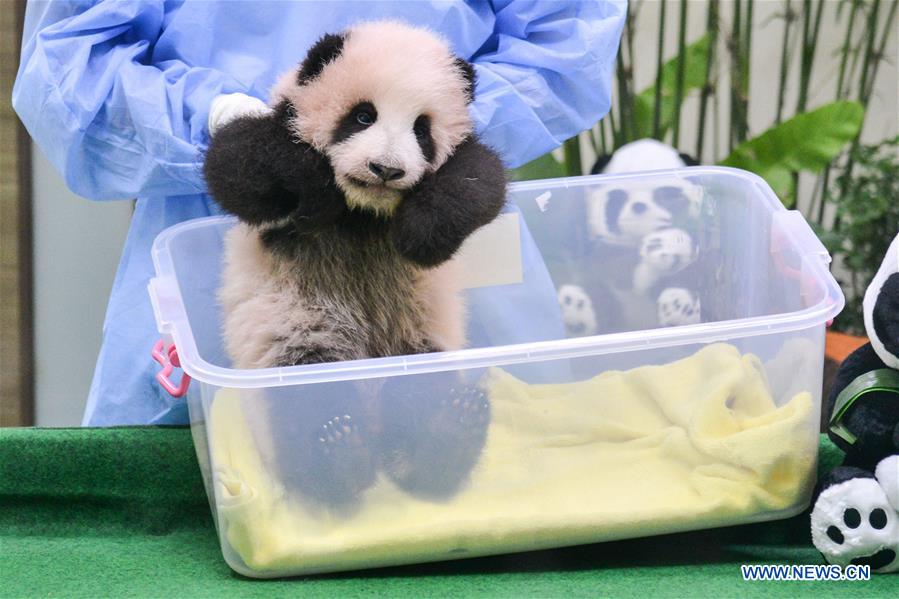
(122, 512)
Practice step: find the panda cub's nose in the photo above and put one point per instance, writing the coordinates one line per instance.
(386, 173)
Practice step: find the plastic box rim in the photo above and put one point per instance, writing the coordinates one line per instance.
(173, 324)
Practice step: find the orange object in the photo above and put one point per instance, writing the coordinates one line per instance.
(839, 345)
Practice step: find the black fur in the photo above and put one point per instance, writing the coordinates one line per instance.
(439, 213)
(326, 49)
(671, 199)
(688, 160)
(324, 438)
(874, 418)
(841, 474)
(422, 129)
(431, 441)
(349, 124)
(467, 70)
(256, 170)
(886, 315)
(601, 163)
(617, 198)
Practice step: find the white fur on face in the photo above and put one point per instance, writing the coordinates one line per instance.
(640, 213)
(391, 142)
(404, 72)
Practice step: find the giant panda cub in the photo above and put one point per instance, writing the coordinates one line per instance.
(643, 228)
(353, 195)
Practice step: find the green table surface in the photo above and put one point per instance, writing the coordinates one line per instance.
(122, 512)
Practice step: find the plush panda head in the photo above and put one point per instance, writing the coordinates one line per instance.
(386, 103)
(625, 215)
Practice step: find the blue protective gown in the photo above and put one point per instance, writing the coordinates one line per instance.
(117, 95)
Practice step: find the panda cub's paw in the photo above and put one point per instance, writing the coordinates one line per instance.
(342, 465)
(577, 311)
(678, 306)
(663, 253)
(322, 443)
(433, 430)
(854, 523)
(669, 250)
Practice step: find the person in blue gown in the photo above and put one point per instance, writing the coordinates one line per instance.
(118, 96)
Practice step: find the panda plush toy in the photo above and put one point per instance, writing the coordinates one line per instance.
(855, 519)
(353, 192)
(644, 230)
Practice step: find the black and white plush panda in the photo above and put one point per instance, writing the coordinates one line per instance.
(642, 229)
(354, 192)
(855, 519)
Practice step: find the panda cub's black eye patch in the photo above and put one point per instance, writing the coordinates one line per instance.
(422, 129)
(358, 118)
(617, 198)
(671, 199)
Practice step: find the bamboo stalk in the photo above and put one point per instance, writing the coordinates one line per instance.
(624, 100)
(616, 135)
(609, 146)
(573, 156)
(856, 52)
(840, 94)
(712, 29)
(862, 97)
(784, 62)
(869, 53)
(681, 68)
(717, 99)
(879, 54)
(602, 139)
(735, 75)
(845, 50)
(809, 44)
(811, 25)
(594, 142)
(660, 51)
(631, 19)
(747, 68)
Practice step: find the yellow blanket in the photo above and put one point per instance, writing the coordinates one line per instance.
(691, 444)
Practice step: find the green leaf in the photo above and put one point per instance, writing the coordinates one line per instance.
(696, 55)
(545, 167)
(806, 142)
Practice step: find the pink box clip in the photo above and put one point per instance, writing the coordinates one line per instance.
(169, 361)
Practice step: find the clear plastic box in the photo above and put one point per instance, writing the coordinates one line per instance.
(610, 428)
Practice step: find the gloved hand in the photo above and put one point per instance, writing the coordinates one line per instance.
(227, 107)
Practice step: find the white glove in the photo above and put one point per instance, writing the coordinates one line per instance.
(227, 107)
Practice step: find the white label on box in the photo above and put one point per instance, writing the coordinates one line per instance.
(492, 255)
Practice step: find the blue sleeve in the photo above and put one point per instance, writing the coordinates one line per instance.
(114, 123)
(545, 73)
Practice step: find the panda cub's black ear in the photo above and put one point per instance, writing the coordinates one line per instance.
(326, 49)
(601, 163)
(467, 70)
(688, 160)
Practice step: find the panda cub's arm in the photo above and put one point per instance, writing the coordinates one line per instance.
(447, 206)
(256, 170)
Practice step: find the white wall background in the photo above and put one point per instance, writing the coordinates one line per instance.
(78, 242)
(882, 120)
